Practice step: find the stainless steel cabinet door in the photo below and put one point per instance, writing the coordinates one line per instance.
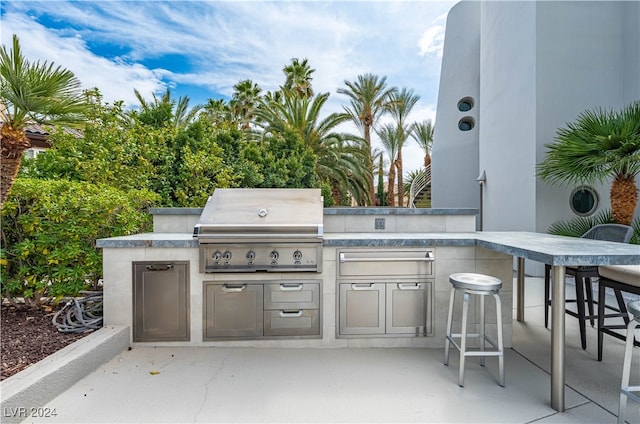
(362, 308)
(233, 310)
(160, 301)
(407, 308)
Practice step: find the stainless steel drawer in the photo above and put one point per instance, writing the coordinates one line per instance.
(292, 295)
(302, 322)
(395, 263)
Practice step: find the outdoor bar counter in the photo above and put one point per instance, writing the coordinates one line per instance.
(557, 251)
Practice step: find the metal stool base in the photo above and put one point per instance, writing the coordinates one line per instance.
(626, 391)
(462, 347)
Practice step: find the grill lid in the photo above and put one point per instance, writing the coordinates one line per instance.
(261, 214)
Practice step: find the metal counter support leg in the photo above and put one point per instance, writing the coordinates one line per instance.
(520, 298)
(557, 339)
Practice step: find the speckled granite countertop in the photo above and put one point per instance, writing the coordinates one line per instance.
(539, 247)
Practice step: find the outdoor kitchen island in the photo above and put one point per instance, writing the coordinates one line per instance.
(449, 234)
(437, 242)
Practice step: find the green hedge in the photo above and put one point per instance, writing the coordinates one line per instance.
(49, 232)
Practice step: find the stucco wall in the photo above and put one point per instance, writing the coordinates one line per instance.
(532, 67)
(507, 110)
(587, 57)
(455, 153)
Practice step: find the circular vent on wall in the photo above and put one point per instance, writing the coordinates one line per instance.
(466, 124)
(465, 104)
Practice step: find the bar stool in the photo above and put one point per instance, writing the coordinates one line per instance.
(479, 285)
(626, 391)
(621, 279)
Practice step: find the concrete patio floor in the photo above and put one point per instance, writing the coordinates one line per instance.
(216, 384)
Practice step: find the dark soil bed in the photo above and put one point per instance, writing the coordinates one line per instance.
(28, 336)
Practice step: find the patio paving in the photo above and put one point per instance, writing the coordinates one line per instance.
(214, 384)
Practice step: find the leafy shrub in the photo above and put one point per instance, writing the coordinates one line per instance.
(49, 232)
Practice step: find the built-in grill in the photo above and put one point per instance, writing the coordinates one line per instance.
(247, 230)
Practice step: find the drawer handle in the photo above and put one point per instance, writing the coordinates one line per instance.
(290, 314)
(290, 287)
(159, 267)
(368, 286)
(416, 286)
(233, 288)
(427, 258)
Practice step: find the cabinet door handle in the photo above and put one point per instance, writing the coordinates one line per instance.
(159, 267)
(368, 286)
(290, 287)
(229, 288)
(416, 286)
(291, 314)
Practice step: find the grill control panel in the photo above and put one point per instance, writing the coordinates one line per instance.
(285, 257)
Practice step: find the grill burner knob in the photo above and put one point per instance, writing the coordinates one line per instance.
(217, 256)
(226, 256)
(274, 255)
(297, 255)
(251, 255)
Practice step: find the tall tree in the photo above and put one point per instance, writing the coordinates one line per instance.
(599, 145)
(32, 93)
(217, 111)
(166, 111)
(389, 136)
(244, 101)
(400, 105)
(378, 156)
(341, 157)
(299, 77)
(422, 133)
(368, 96)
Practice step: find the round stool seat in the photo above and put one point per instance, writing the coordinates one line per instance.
(472, 281)
(634, 309)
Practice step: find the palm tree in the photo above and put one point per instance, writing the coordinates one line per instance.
(166, 111)
(600, 144)
(32, 93)
(340, 156)
(378, 157)
(400, 105)
(368, 96)
(217, 111)
(422, 133)
(389, 136)
(299, 77)
(244, 101)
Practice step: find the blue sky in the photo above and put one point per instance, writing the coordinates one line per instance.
(201, 49)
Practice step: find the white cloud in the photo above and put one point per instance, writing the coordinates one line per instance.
(115, 78)
(432, 39)
(223, 42)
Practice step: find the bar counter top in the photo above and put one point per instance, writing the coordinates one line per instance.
(539, 247)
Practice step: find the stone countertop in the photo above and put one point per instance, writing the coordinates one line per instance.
(398, 211)
(539, 247)
(343, 211)
(559, 250)
(179, 240)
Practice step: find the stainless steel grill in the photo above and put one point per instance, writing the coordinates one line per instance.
(247, 230)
